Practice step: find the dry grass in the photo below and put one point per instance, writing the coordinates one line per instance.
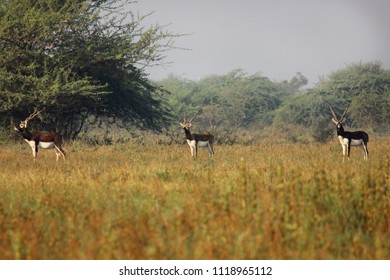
(265, 201)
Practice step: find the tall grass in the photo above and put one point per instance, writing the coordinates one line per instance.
(265, 201)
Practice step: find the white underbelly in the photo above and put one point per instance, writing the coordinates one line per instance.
(43, 145)
(46, 145)
(192, 143)
(354, 142)
(203, 143)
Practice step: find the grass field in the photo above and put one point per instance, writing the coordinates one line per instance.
(265, 201)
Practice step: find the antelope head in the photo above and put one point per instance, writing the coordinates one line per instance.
(23, 124)
(337, 121)
(185, 124)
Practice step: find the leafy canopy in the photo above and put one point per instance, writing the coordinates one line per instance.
(79, 59)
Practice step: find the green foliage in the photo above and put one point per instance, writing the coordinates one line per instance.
(372, 110)
(79, 59)
(232, 101)
(309, 110)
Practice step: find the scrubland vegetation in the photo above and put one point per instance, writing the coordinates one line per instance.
(131, 201)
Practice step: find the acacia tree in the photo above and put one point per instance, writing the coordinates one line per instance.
(79, 59)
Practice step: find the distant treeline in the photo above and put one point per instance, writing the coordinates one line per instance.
(237, 103)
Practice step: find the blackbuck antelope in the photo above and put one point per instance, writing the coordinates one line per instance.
(350, 138)
(204, 140)
(44, 140)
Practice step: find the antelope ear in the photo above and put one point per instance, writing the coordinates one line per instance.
(335, 122)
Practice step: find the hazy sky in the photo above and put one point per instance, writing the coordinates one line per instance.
(274, 37)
